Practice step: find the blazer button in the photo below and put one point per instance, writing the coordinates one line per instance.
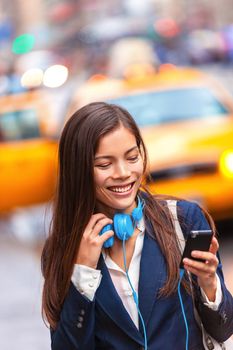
(82, 312)
(79, 325)
(224, 317)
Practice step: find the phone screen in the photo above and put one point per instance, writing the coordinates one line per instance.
(197, 240)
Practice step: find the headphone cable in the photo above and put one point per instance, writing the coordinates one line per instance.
(182, 309)
(135, 297)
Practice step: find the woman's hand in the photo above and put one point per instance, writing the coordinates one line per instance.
(91, 242)
(206, 270)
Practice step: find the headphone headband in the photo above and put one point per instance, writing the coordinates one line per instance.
(137, 213)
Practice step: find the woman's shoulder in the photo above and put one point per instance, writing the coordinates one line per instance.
(184, 207)
(187, 210)
(187, 206)
(192, 215)
(164, 199)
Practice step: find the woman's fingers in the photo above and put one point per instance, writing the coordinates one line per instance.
(99, 225)
(207, 257)
(95, 225)
(106, 235)
(210, 260)
(93, 220)
(205, 267)
(214, 245)
(205, 270)
(92, 242)
(201, 268)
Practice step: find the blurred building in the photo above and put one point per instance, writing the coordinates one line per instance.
(78, 30)
(206, 12)
(28, 15)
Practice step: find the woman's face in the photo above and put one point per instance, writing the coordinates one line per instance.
(118, 170)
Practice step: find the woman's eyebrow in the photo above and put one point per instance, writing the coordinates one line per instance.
(108, 157)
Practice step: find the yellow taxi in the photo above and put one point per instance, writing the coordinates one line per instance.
(186, 119)
(27, 151)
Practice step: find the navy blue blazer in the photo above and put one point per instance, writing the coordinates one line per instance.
(105, 324)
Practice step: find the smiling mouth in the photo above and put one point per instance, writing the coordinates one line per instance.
(121, 189)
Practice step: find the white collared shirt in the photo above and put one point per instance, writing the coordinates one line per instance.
(87, 280)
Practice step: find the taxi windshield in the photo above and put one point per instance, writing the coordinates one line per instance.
(19, 125)
(158, 107)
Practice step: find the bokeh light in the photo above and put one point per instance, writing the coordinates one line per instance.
(226, 163)
(32, 78)
(23, 44)
(55, 76)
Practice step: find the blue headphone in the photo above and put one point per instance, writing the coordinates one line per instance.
(123, 225)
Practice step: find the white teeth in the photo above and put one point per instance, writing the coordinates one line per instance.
(121, 189)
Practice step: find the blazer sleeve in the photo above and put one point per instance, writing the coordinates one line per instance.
(219, 323)
(75, 330)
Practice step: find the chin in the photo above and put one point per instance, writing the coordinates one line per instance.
(123, 204)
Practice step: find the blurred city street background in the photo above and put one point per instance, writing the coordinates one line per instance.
(169, 62)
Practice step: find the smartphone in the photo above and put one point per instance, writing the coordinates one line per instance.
(197, 240)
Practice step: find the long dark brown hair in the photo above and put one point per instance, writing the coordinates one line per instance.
(76, 199)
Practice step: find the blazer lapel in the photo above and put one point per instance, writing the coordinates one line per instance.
(152, 276)
(109, 300)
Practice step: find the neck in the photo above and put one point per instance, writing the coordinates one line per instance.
(116, 251)
(101, 208)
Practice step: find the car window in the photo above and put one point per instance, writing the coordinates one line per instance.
(165, 106)
(19, 125)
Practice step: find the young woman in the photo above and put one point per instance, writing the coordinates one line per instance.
(123, 297)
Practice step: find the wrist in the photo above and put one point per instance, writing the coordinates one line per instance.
(210, 289)
(87, 263)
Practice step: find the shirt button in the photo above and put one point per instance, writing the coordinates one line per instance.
(79, 325)
(95, 277)
(91, 284)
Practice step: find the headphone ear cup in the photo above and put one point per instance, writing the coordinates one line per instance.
(123, 226)
(110, 241)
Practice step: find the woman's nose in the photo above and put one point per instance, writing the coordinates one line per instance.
(122, 170)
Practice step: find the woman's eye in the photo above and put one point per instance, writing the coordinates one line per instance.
(102, 166)
(133, 158)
